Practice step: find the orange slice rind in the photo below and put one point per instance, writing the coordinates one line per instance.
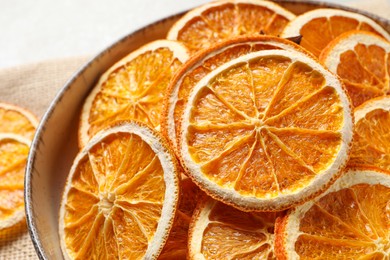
(361, 59)
(240, 152)
(350, 220)
(318, 27)
(121, 196)
(16, 120)
(371, 145)
(221, 20)
(220, 231)
(13, 158)
(200, 65)
(132, 89)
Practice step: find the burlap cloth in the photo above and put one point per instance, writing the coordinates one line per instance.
(33, 86)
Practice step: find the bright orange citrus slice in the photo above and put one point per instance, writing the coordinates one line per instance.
(221, 20)
(13, 157)
(132, 89)
(362, 60)
(266, 131)
(203, 63)
(16, 120)
(350, 221)
(121, 196)
(320, 26)
(371, 145)
(176, 246)
(219, 231)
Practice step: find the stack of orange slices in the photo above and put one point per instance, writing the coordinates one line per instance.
(228, 141)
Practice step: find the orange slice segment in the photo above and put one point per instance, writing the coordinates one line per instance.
(253, 158)
(350, 220)
(132, 89)
(13, 157)
(121, 196)
(205, 61)
(176, 246)
(16, 120)
(221, 20)
(219, 231)
(320, 26)
(362, 60)
(371, 145)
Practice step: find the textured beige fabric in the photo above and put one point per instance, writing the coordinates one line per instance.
(15, 243)
(33, 87)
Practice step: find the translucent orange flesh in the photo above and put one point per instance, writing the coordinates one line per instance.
(350, 223)
(227, 21)
(364, 72)
(233, 234)
(115, 200)
(176, 245)
(372, 140)
(134, 91)
(264, 135)
(14, 122)
(196, 73)
(13, 157)
(317, 33)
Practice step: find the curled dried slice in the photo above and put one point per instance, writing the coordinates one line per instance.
(351, 220)
(219, 231)
(221, 20)
(121, 196)
(371, 144)
(132, 89)
(320, 26)
(246, 150)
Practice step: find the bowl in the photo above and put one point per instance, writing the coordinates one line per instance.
(55, 144)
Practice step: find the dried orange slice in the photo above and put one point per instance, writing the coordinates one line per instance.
(204, 62)
(320, 26)
(16, 120)
(262, 142)
(13, 157)
(219, 231)
(362, 61)
(176, 246)
(133, 88)
(221, 20)
(350, 221)
(371, 145)
(121, 196)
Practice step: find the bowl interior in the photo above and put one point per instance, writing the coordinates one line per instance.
(55, 144)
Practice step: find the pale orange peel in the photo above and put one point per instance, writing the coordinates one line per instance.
(288, 198)
(17, 120)
(205, 33)
(143, 100)
(108, 194)
(13, 158)
(344, 222)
